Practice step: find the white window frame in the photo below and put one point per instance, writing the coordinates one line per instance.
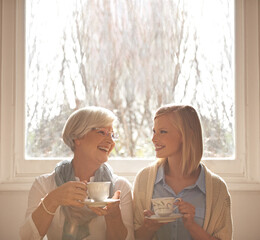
(17, 173)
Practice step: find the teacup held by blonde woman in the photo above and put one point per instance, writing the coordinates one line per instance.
(164, 207)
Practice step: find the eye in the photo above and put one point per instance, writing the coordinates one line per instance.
(114, 136)
(163, 131)
(102, 132)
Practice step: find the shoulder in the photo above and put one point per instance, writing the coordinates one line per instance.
(215, 177)
(146, 176)
(215, 182)
(121, 183)
(145, 172)
(41, 186)
(45, 181)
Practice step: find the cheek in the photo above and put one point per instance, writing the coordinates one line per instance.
(112, 147)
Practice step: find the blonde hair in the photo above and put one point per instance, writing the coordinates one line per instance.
(186, 120)
(84, 120)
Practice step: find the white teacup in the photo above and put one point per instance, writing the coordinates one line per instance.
(98, 191)
(164, 206)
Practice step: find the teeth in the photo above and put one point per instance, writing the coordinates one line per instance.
(158, 147)
(104, 149)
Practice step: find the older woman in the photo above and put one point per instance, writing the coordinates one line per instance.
(205, 201)
(56, 205)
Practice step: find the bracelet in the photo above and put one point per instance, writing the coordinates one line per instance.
(46, 210)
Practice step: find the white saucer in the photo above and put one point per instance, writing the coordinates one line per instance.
(170, 218)
(92, 203)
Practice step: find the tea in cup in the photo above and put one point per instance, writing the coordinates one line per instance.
(163, 207)
(98, 191)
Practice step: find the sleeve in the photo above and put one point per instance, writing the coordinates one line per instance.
(28, 230)
(223, 229)
(126, 205)
(139, 199)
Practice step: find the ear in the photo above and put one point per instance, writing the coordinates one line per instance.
(77, 142)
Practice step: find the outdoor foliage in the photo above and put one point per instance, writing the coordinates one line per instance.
(130, 57)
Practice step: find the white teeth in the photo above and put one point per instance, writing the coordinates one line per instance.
(103, 149)
(158, 147)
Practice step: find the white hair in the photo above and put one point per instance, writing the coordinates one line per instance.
(84, 120)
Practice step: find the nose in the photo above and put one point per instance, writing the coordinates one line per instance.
(109, 138)
(154, 138)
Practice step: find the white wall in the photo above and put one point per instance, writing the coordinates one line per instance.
(246, 214)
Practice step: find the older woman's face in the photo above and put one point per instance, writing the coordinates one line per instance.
(166, 138)
(96, 145)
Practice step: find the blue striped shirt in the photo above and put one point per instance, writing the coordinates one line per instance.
(195, 194)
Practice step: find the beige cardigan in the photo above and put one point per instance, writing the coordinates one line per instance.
(218, 219)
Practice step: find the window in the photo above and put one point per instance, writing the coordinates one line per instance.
(131, 57)
(14, 166)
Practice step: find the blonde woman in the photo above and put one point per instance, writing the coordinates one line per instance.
(56, 201)
(205, 201)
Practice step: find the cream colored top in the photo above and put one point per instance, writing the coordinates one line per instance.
(97, 227)
(218, 219)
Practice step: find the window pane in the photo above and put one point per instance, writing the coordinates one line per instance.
(131, 57)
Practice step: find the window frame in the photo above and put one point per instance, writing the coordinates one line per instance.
(17, 173)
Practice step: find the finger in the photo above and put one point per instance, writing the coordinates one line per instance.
(75, 203)
(117, 195)
(99, 211)
(186, 208)
(148, 213)
(80, 185)
(113, 205)
(187, 212)
(80, 193)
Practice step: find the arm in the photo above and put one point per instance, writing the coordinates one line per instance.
(144, 228)
(219, 215)
(38, 219)
(68, 194)
(115, 226)
(197, 232)
(114, 222)
(222, 227)
(126, 212)
(148, 228)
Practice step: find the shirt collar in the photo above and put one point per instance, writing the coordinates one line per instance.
(200, 183)
(160, 175)
(201, 180)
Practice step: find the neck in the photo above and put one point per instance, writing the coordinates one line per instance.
(84, 168)
(173, 169)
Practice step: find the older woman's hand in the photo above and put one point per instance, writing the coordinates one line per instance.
(112, 209)
(69, 194)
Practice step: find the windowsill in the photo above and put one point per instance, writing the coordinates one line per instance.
(235, 182)
(25, 185)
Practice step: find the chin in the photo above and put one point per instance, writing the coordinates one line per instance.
(103, 160)
(161, 155)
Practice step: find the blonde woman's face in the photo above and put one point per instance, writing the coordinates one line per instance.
(167, 139)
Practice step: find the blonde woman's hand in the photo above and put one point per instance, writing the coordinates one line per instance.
(188, 211)
(150, 224)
